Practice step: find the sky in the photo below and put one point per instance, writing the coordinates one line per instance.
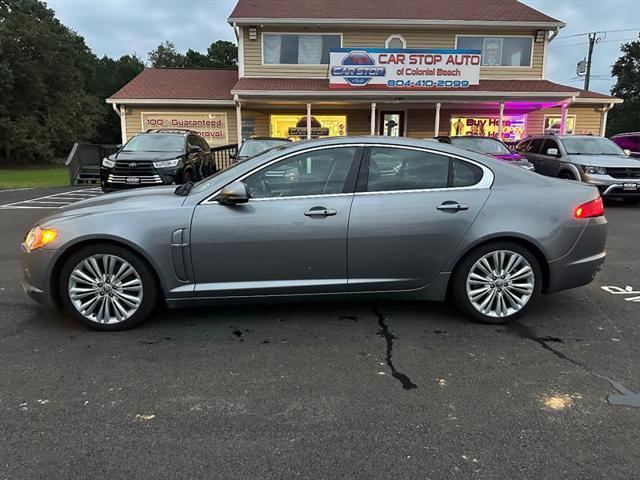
(119, 27)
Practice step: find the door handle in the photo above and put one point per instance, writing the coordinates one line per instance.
(450, 206)
(320, 212)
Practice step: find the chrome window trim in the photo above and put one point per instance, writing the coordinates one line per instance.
(485, 182)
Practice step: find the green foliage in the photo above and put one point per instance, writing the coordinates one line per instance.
(220, 54)
(626, 117)
(45, 104)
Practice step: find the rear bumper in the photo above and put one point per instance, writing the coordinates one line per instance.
(581, 265)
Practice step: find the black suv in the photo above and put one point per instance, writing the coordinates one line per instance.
(158, 157)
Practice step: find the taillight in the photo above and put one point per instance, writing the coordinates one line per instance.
(594, 208)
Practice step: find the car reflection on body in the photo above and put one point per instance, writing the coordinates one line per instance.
(352, 217)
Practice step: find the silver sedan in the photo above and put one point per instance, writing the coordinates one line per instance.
(351, 217)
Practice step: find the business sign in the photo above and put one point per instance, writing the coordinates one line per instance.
(513, 127)
(295, 126)
(410, 68)
(210, 126)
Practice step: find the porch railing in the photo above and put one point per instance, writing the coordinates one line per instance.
(222, 155)
(84, 162)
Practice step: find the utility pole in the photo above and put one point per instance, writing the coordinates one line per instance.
(592, 42)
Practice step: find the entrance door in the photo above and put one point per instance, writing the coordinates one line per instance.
(291, 237)
(392, 124)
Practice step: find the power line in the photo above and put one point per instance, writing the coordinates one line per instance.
(599, 31)
(587, 43)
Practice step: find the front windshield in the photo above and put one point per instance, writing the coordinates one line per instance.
(482, 145)
(155, 143)
(591, 146)
(253, 147)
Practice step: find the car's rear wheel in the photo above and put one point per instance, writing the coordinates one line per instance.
(107, 287)
(496, 283)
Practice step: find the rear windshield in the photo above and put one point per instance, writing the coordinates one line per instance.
(155, 143)
(482, 145)
(591, 146)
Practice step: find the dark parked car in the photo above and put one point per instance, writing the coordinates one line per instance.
(489, 146)
(158, 157)
(256, 145)
(344, 217)
(628, 141)
(586, 158)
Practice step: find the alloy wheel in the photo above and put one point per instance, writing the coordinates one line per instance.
(105, 289)
(500, 283)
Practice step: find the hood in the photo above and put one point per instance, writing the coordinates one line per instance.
(604, 161)
(122, 156)
(127, 200)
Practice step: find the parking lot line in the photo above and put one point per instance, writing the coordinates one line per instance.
(55, 200)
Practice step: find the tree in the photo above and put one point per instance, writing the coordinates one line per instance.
(109, 77)
(223, 54)
(626, 117)
(166, 56)
(45, 72)
(193, 59)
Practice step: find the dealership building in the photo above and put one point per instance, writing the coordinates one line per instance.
(415, 68)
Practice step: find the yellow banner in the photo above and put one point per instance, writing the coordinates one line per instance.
(295, 126)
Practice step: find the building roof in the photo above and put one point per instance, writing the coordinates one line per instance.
(284, 11)
(307, 85)
(213, 84)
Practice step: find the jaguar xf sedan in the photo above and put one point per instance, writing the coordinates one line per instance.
(341, 218)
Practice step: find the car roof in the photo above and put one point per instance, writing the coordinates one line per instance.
(268, 138)
(628, 134)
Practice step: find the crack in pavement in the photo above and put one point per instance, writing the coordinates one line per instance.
(406, 382)
(625, 397)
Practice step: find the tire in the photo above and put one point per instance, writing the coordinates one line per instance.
(566, 175)
(496, 313)
(122, 312)
(187, 177)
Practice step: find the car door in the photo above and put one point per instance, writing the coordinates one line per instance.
(549, 164)
(290, 237)
(410, 211)
(530, 151)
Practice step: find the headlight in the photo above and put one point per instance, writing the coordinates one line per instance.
(108, 163)
(39, 237)
(167, 163)
(595, 170)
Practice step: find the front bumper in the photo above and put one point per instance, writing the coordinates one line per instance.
(110, 181)
(586, 258)
(36, 275)
(614, 187)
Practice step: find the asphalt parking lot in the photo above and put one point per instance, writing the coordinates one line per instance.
(350, 390)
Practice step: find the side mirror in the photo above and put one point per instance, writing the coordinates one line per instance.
(233, 194)
(553, 152)
(195, 148)
(627, 152)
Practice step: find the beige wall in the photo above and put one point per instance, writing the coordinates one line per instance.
(416, 38)
(587, 120)
(134, 117)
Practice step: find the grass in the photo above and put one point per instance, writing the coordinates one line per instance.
(33, 177)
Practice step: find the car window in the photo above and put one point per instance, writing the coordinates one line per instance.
(534, 145)
(153, 142)
(483, 145)
(590, 146)
(465, 174)
(251, 147)
(403, 169)
(203, 143)
(548, 143)
(523, 146)
(318, 172)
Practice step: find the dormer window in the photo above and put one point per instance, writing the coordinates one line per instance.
(396, 42)
(298, 48)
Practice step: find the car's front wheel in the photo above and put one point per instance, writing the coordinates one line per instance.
(107, 287)
(496, 283)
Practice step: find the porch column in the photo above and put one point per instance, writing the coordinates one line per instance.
(500, 120)
(563, 118)
(436, 125)
(238, 121)
(373, 119)
(603, 119)
(308, 121)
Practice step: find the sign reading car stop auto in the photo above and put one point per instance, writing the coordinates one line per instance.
(405, 68)
(212, 126)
